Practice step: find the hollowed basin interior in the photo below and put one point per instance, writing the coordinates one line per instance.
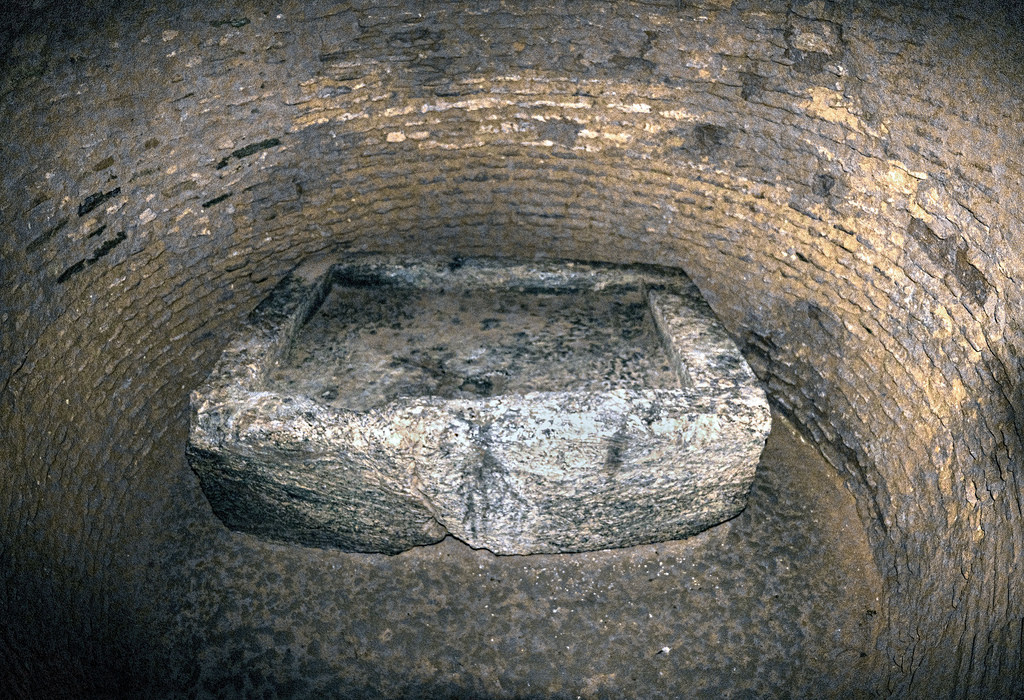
(372, 342)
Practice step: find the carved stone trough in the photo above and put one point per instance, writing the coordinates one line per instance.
(375, 404)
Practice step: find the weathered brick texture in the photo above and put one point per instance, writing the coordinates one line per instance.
(844, 184)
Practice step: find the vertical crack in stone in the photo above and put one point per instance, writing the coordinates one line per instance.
(416, 486)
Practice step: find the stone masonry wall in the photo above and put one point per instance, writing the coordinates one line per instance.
(843, 184)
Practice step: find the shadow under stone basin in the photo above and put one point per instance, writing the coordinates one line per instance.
(379, 403)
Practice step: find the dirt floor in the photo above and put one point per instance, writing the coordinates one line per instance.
(782, 601)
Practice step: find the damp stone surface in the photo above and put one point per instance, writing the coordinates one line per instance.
(379, 403)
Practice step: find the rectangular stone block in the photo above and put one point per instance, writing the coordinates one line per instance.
(379, 403)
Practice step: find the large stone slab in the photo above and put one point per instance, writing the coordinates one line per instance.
(376, 403)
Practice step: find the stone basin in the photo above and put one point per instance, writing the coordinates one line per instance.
(379, 403)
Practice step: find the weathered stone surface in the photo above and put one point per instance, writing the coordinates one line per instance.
(379, 404)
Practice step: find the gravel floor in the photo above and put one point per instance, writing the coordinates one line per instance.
(781, 601)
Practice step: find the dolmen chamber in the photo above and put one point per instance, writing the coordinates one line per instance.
(376, 403)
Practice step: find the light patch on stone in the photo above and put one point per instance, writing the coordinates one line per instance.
(468, 105)
(621, 137)
(814, 36)
(678, 114)
(503, 128)
(400, 111)
(832, 106)
(170, 34)
(808, 41)
(395, 137)
(327, 116)
(638, 108)
(147, 216)
(583, 104)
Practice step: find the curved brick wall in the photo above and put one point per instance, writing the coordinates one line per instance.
(843, 185)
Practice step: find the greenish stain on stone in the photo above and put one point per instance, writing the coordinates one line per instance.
(246, 151)
(100, 252)
(216, 200)
(96, 199)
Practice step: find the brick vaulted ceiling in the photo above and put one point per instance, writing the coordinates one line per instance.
(842, 181)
